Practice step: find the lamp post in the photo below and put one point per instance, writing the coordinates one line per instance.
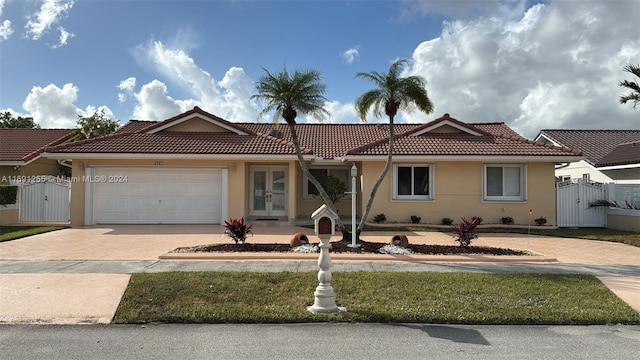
(354, 174)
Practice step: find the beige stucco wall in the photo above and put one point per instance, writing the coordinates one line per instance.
(197, 125)
(457, 190)
(8, 216)
(458, 193)
(37, 167)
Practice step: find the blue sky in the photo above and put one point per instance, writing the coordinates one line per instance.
(532, 65)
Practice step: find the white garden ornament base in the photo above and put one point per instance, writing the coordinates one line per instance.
(325, 297)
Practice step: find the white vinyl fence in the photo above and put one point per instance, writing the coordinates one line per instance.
(45, 200)
(573, 199)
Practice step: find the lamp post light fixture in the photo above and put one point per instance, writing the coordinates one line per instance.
(354, 229)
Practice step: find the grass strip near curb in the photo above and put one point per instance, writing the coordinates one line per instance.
(426, 297)
(8, 233)
(602, 234)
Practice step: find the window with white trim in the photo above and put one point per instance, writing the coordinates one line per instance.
(412, 182)
(343, 174)
(504, 182)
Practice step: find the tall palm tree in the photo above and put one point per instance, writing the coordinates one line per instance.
(289, 94)
(634, 95)
(393, 94)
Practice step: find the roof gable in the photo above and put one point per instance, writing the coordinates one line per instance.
(447, 124)
(196, 120)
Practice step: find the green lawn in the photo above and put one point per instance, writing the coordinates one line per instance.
(16, 232)
(625, 237)
(459, 298)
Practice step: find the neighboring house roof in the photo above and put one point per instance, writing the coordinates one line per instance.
(596, 144)
(623, 154)
(443, 136)
(24, 145)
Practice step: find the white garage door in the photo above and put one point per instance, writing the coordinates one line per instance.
(157, 196)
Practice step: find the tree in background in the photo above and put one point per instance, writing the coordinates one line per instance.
(634, 95)
(97, 125)
(8, 121)
(393, 93)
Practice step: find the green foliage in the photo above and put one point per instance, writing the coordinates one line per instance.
(633, 86)
(8, 121)
(506, 220)
(447, 221)
(97, 125)
(541, 220)
(8, 233)
(237, 229)
(335, 188)
(8, 195)
(388, 297)
(415, 219)
(380, 218)
(464, 231)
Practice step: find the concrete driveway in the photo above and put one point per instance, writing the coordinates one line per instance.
(93, 298)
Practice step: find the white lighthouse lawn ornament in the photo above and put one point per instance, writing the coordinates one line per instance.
(324, 225)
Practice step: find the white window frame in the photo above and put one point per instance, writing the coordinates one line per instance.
(564, 178)
(394, 183)
(523, 183)
(305, 182)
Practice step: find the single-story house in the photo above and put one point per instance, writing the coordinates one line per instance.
(199, 168)
(610, 156)
(21, 159)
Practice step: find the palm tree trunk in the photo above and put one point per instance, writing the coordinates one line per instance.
(374, 190)
(305, 170)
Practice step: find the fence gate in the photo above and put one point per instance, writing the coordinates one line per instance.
(47, 200)
(572, 201)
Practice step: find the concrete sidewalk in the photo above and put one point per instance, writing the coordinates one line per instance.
(78, 275)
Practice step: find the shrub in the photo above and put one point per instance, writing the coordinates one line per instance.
(380, 218)
(541, 220)
(478, 219)
(506, 220)
(8, 195)
(237, 229)
(464, 231)
(447, 221)
(415, 219)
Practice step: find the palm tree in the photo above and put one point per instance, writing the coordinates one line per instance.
(634, 95)
(393, 94)
(289, 94)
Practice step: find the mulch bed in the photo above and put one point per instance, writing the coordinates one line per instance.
(365, 248)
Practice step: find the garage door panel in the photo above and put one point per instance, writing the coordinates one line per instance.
(159, 196)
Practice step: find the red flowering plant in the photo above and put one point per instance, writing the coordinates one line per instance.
(464, 231)
(237, 229)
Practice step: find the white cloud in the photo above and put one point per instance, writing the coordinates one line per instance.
(127, 86)
(351, 55)
(154, 103)
(228, 98)
(50, 13)
(341, 113)
(53, 107)
(5, 30)
(556, 66)
(5, 26)
(64, 37)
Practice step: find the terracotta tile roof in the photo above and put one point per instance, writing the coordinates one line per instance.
(168, 142)
(26, 144)
(327, 141)
(135, 125)
(623, 154)
(595, 144)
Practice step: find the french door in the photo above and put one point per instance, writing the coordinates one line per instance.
(268, 188)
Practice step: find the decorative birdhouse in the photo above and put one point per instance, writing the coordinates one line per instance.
(324, 220)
